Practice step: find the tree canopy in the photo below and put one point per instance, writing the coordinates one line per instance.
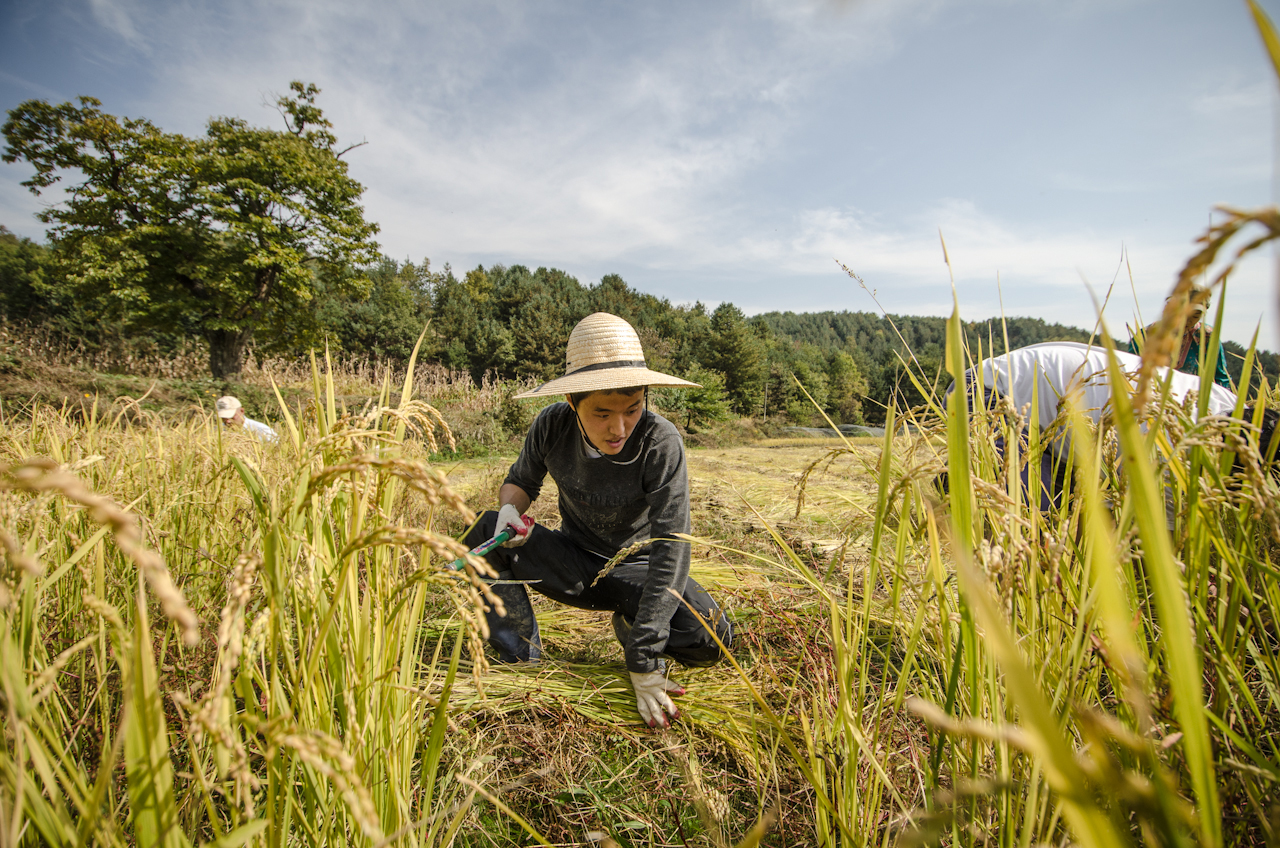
(220, 235)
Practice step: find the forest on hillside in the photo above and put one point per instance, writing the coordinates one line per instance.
(512, 322)
(251, 241)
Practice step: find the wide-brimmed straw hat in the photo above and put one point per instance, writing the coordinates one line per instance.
(604, 353)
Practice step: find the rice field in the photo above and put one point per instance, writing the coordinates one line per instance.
(211, 641)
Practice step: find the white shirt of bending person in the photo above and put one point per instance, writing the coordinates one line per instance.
(262, 431)
(1056, 368)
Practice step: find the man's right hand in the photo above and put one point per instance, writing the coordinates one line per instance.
(509, 516)
(653, 698)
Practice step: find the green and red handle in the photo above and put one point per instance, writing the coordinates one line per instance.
(506, 535)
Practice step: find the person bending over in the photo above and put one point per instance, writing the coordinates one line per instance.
(620, 471)
(1053, 370)
(231, 413)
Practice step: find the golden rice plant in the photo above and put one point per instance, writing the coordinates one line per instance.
(311, 708)
(1097, 674)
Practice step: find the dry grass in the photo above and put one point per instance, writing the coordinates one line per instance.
(581, 688)
(562, 741)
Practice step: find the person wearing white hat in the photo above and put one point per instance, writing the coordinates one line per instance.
(623, 486)
(232, 415)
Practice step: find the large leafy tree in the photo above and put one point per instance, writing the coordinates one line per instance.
(386, 323)
(223, 235)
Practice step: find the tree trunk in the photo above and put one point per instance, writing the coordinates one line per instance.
(226, 352)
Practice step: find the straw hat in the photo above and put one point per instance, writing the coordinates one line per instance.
(1198, 297)
(604, 353)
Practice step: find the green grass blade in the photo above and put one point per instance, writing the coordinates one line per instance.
(254, 484)
(295, 435)
(439, 724)
(1182, 659)
(959, 474)
(1268, 32)
(406, 393)
(148, 772)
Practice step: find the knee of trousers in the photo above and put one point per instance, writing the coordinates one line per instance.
(700, 649)
(483, 529)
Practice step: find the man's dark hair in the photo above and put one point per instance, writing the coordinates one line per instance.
(578, 397)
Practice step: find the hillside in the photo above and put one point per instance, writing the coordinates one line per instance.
(499, 323)
(875, 341)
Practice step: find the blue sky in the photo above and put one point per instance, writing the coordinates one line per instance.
(734, 151)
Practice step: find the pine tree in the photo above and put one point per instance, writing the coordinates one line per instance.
(736, 351)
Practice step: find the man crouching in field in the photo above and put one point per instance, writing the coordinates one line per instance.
(620, 469)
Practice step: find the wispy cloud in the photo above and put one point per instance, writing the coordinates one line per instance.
(1252, 96)
(617, 140)
(676, 142)
(29, 88)
(118, 17)
(1031, 270)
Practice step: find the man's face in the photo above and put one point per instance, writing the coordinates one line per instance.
(609, 419)
(236, 420)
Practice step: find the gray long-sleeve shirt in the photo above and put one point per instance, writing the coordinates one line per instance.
(610, 502)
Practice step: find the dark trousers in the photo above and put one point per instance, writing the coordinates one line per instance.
(1054, 483)
(564, 573)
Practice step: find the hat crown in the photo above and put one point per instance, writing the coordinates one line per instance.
(226, 406)
(599, 339)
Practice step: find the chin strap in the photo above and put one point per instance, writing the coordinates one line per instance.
(587, 439)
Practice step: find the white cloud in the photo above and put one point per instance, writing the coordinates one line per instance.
(1234, 97)
(1046, 274)
(116, 16)
(643, 136)
(607, 149)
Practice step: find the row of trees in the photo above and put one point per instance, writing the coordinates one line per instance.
(513, 322)
(254, 238)
(509, 322)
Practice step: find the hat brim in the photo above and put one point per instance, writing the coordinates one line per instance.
(603, 380)
(231, 414)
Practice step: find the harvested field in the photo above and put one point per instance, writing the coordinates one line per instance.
(579, 704)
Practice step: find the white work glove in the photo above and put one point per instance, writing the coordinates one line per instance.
(509, 516)
(652, 699)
